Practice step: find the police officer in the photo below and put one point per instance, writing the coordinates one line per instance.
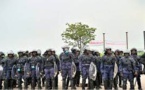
(42, 65)
(138, 66)
(9, 64)
(118, 76)
(58, 63)
(107, 68)
(127, 70)
(2, 55)
(35, 63)
(98, 63)
(66, 59)
(27, 71)
(20, 67)
(45, 55)
(84, 61)
(76, 53)
(49, 70)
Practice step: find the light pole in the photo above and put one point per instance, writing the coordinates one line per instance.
(126, 40)
(104, 41)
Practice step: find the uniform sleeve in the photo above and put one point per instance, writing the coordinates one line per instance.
(120, 65)
(102, 65)
(114, 61)
(60, 57)
(57, 62)
(134, 65)
(98, 62)
(99, 66)
(72, 57)
(144, 68)
(4, 65)
(140, 64)
(94, 60)
(54, 59)
(80, 62)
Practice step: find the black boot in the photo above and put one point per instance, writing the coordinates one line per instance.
(91, 84)
(139, 83)
(124, 84)
(43, 81)
(33, 84)
(83, 84)
(63, 84)
(67, 82)
(106, 84)
(25, 84)
(19, 84)
(6, 84)
(39, 83)
(120, 81)
(48, 84)
(53, 83)
(56, 82)
(110, 84)
(73, 84)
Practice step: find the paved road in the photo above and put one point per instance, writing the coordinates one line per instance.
(79, 88)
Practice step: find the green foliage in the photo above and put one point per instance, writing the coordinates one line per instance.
(140, 53)
(78, 35)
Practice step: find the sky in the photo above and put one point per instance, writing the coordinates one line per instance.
(38, 24)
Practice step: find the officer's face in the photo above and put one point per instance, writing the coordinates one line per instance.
(53, 53)
(109, 51)
(20, 54)
(126, 54)
(10, 55)
(34, 53)
(49, 52)
(77, 53)
(88, 51)
(133, 52)
(116, 53)
(66, 50)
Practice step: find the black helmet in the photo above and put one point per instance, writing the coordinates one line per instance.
(133, 49)
(49, 50)
(108, 48)
(34, 51)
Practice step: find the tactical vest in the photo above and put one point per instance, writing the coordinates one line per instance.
(127, 63)
(49, 62)
(86, 59)
(66, 58)
(108, 60)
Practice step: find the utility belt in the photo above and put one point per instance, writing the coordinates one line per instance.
(67, 61)
(48, 67)
(52, 65)
(108, 66)
(85, 65)
(108, 63)
(128, 69)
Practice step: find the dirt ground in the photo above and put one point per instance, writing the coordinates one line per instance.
(79, 88)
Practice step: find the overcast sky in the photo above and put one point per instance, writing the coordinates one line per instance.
(38, 24)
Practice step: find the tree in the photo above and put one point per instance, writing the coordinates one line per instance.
(78, 35)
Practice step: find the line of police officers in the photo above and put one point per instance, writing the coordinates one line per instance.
(37, 70)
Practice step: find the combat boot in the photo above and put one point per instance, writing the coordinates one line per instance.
(72, 84)
(83, 84)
